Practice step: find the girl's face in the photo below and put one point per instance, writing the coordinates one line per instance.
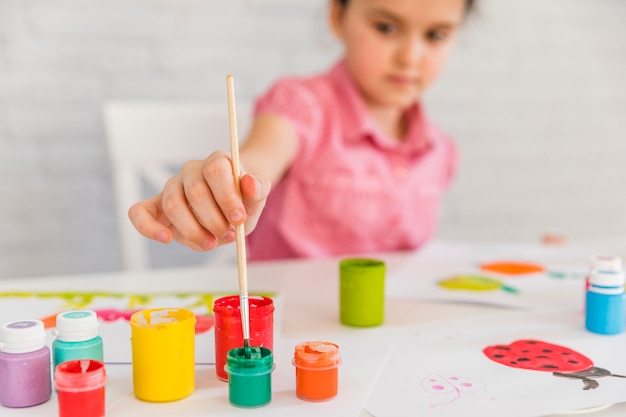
(396, 48)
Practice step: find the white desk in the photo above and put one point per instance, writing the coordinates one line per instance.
(309, 312)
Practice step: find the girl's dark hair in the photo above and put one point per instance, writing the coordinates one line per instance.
(469, 4)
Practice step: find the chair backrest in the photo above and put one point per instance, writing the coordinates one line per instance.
(146, 139)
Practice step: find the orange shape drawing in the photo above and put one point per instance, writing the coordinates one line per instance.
(512, 268)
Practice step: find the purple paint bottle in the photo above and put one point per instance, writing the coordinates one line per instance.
(25, 378)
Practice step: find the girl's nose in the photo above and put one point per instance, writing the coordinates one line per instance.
(412, 50)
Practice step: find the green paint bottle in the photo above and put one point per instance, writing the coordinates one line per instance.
(249, 379)
(361, 292)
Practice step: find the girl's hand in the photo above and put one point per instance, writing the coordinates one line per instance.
(200, 206)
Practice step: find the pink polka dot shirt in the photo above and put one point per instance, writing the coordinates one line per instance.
(351, 190)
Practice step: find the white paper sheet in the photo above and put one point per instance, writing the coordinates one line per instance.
(441, 370)
(360, 366)
(560, 287)
(362, 357)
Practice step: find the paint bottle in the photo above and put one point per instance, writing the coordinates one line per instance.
(249, 378)
(25, 378)
(317, 370)
(605, 302)
(80, 388)
(163, 353)
(361, 292)
(76, 337)
(228, 330)
(603, 262)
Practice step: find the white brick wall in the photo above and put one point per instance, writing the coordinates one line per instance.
(535, 96)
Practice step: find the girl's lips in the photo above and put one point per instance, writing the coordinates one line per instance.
(402, 80)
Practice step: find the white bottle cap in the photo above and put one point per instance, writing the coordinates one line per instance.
(604, 278)
(77, 326)
(606, 262)
(22, 336)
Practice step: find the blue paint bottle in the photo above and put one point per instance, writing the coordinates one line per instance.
(605, 302)
(76, 337)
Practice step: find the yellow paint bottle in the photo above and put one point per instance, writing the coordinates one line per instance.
(163, 354)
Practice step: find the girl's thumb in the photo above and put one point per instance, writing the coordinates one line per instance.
(255, 188)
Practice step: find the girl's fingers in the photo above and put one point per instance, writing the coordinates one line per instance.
(201, 201)
(145, 217)
(254, 190)
(200, 206)
(218, 174)
(177, 209)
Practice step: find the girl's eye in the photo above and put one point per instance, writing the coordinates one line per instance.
(436, 35)
(384, 28)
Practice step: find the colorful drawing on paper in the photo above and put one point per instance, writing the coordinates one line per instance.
(471, 282)
(451, 386)
(111, 307)
(512, 268)
(114, 310)
(537, 355)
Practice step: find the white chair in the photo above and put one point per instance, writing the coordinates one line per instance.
(146, 140)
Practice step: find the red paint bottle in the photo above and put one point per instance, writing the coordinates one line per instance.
(228, 330)
(80, 387)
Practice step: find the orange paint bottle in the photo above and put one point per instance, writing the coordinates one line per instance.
(317, 370)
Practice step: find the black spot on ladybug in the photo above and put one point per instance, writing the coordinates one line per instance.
(500, 347)
(513, 363)
(547, 350)
(572, 361)
(523, 359)
(542, 357)
(549, 367)
(498, 356)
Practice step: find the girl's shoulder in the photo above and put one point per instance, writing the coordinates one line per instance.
(307, 103)
(299, 93)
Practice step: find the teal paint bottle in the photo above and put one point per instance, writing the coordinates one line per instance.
(249, 379)
(76, 337)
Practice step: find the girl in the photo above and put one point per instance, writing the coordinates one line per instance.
(357, 165)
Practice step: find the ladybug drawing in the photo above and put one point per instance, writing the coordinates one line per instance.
(537, 355)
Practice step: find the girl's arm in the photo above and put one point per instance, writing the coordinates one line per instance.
(269, 148)
(200, 206)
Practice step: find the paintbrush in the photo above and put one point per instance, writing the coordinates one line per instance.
(239, 230)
